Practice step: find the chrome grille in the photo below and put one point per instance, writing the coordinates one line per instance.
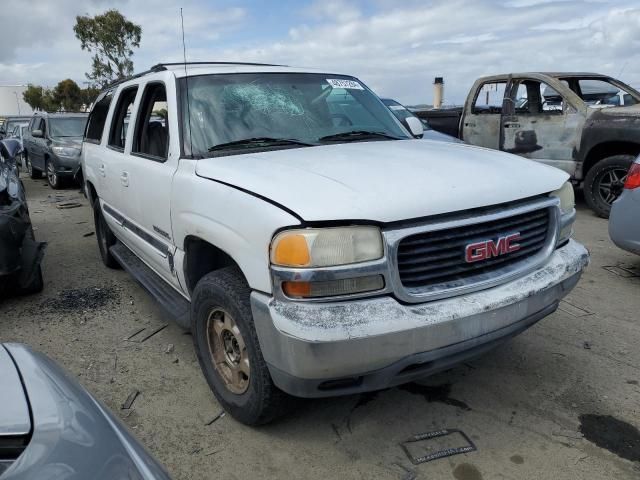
(437, 258)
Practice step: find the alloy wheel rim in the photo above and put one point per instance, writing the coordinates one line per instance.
(228, 350)
(51, 174)
(29, 169)
(611, 184)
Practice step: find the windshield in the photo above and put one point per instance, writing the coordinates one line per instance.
(67, 127)
(300, 106)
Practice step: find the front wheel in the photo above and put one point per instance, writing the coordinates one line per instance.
(227, 347)
(53, 179)
(605, 181)
(33, 173)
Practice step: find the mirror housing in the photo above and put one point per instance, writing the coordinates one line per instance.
(37, 133)
(415, 126)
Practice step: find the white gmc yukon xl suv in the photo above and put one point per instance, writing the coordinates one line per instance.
(312, 246)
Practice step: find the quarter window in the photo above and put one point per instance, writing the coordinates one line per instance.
(97, 119)
(121, 118)
(152, 131)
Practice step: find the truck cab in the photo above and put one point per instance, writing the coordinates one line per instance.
(585, 124)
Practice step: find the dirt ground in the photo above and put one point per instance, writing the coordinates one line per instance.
(561, 401)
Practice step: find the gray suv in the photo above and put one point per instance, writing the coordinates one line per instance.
(52, 145)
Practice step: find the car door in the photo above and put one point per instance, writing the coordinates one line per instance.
(150, 169)
(36, 153)
(539, 123)
(482, 118)
(117, 198)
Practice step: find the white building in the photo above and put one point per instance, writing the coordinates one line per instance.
(11, 101)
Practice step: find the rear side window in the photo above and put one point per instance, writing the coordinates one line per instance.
(121, 118)
(97, 119)
(152, 130)
(490, 98)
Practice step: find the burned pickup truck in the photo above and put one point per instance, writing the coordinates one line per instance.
(20, 254)
(583, 123)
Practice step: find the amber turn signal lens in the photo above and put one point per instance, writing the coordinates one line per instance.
(292, 250)
(297, 289)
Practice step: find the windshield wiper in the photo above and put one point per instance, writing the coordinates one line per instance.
(259, 141)
(356, 135)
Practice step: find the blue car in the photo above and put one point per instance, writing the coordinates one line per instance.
(624, 224)
(402, 113)
(51, 427)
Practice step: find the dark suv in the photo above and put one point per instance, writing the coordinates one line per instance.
(52, 144)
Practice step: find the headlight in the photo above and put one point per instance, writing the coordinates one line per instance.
(567, 205)
(566, 196)
(66, 151)
(326, 247)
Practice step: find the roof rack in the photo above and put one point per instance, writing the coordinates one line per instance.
(250, 64)
(159, 67)
(156, 68)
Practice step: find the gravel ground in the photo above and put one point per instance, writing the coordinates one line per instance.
(561, 401)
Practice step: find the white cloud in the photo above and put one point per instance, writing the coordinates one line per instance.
(397, 48)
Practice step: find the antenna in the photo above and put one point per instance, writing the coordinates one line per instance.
(186, 81)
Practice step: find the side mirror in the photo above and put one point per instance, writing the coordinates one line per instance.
(415, 126)
(37, 133)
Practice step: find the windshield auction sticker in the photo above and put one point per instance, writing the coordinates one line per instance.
(347, 84)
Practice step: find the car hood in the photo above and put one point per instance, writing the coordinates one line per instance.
(383, 181)
(441, 137)
(14, 414)
(630, 111)
(75, 142)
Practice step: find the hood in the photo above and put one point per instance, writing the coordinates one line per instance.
(75, 142)
(384, 181)
(631, 111)
(14, 414)
(442, 137)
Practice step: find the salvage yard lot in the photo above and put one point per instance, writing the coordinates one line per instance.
(524, 405)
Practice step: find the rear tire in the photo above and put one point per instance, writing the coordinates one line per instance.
(220, 309)
(605, 181)
(104, 236)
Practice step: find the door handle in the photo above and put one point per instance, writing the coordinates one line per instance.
(101, 170)
(124, 179)
(511, 125)
(472, 125)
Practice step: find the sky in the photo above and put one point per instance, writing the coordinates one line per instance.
(396, 47)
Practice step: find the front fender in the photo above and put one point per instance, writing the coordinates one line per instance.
(234, 221)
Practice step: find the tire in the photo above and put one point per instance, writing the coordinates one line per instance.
(105, 237)
(35, 286)
(600, 187)
(222, 297)
(33, 173)
(53, 179)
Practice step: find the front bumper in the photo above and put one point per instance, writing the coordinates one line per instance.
(328, 349)
(66, 166)
(624, 227)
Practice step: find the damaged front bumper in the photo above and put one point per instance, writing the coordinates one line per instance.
(317, 350)
(20, 254)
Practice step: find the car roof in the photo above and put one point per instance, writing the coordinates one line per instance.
(540, 75)
(60, 114)
(191, 69)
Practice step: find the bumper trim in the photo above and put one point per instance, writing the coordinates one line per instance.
(408, 369)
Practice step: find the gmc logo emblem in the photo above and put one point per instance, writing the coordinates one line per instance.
(475, 252)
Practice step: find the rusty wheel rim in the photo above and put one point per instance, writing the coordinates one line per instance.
(228, 351)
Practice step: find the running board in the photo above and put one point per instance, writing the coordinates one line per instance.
(171, 301)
